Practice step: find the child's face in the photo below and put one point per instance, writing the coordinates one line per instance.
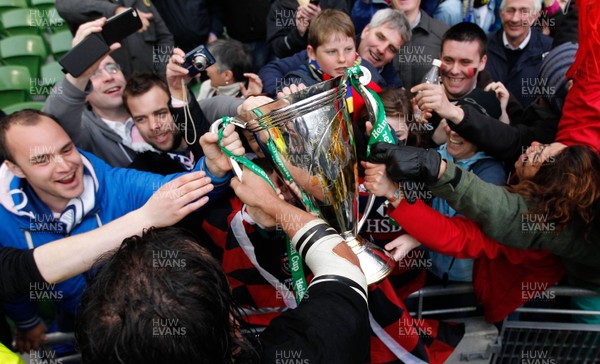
(334, 55)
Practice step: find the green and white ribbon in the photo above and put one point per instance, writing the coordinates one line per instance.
(294, 259)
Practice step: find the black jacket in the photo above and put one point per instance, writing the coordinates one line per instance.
(245, 20)
(282, 35)
(190, 21)
(507, 142)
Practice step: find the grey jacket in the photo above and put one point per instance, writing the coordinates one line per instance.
(415, 57)
(87, 130)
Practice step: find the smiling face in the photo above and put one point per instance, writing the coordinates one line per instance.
(461, 63)
(334, 55)
(534, 157)
(457, 146)
(150, 112)
(108, 84)
(517, 18)
(45, 155)
(379, 45)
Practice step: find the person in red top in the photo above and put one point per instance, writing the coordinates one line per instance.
(580, 122)
(499, 273)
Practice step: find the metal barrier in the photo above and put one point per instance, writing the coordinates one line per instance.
(547, 343)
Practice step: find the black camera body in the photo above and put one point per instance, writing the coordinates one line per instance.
(198, 60)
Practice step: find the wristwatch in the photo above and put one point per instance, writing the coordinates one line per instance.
(397, 195)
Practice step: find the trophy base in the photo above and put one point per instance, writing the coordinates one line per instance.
(375, 262)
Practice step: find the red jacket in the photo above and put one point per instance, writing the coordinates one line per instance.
(504, 277)
(580, 123)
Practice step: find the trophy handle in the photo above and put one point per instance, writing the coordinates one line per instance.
(368, 207)
(214, 128)
(372, 110)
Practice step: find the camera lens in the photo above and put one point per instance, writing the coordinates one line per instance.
(200, 61)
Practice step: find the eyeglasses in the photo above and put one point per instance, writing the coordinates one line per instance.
(110, 68)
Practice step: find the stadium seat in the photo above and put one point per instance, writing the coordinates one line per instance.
(37, 105)
(60, 43)
(22, 21)
(43, 5)
(25, 50)
(6, 5)
(14, 85)
(51, 74)
(55, 22)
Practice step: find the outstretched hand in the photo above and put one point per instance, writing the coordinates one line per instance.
(176, 199)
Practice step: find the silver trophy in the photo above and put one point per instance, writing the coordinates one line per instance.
(312, 134)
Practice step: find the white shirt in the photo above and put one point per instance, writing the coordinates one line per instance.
(523, 44)
(123, 129)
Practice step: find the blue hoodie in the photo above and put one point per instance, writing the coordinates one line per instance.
(27, 223)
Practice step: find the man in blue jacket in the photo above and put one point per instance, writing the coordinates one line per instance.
(49, 190)
(516, 51)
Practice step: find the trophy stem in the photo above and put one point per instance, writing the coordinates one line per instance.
(375, 262)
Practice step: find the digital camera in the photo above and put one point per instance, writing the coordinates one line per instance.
(198, 60)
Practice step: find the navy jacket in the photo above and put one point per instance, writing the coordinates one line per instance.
(522, 80)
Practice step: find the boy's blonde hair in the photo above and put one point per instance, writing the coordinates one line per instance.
(330, 22)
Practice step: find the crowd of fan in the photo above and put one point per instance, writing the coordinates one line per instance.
(501, 153)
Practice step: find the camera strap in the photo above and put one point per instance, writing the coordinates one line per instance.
(187, 116)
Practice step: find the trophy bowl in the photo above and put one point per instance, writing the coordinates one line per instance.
(314, 146)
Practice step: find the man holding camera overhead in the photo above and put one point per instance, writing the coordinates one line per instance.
(146, 50)
(90, 108)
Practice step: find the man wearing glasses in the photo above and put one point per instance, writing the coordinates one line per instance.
(516, 51)
(91, 110)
